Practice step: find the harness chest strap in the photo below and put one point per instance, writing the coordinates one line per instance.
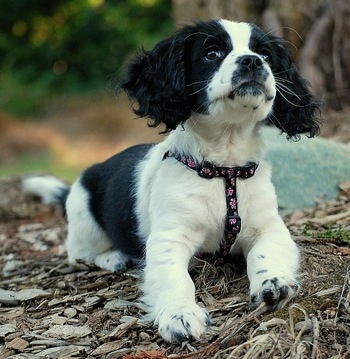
(208, 170)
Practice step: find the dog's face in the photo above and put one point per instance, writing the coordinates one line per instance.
(230, 72)
(221, 69)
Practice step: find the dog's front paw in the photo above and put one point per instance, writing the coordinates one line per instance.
(180, 323)
(275, 292)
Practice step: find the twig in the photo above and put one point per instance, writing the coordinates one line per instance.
(316, 334)
(297, 338)
(330, 219)
(345, 285)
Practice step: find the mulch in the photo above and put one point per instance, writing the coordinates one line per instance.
(50, 309)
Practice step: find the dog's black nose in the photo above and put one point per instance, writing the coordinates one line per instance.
(250, 61)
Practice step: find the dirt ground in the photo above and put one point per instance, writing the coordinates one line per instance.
(49, 309)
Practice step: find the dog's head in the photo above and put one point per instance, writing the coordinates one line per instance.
(229, 70)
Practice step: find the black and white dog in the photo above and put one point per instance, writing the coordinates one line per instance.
(205, 188)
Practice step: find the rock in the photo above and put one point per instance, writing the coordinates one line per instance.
(306, 170)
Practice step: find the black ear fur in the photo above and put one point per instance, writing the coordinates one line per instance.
(156, 80)
(296, 111)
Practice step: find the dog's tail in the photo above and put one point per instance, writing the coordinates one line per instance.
(48, 188)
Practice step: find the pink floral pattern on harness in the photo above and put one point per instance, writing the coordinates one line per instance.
(208, 170)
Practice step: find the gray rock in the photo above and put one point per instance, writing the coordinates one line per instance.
(305, 170)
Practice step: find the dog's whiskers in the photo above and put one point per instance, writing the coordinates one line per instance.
(283, 90)
(290, 102)
(197, 82)
(194, 124)
(279, 123)
(282, 72)
(199, 90)
(200, 108)
(286, 89)
(284, 28)
(198, 33)
(281, 79)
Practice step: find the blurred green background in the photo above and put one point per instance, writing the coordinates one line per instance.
(70, 46)
(56, 61)
(58, 57)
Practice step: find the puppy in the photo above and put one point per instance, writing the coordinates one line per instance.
(205, 190)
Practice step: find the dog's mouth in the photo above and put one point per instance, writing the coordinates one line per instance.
(248, 88)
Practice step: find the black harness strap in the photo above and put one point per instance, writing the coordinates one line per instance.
(209, 170)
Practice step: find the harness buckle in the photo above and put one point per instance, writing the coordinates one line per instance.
(206, 170)
(233, 224)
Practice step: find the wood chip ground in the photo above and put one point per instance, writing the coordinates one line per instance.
(50, 309)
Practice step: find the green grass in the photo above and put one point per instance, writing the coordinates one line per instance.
(339, 234)
(39, 163)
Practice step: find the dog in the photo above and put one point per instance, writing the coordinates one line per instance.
(205, 190)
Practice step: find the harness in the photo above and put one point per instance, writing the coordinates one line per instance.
(208, 171)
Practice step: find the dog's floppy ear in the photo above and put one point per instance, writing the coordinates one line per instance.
(296, 111)
(156, 80)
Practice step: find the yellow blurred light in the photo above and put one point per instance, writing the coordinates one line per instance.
(96, 3)
(19, 28)
(42, 28)
(147, 3)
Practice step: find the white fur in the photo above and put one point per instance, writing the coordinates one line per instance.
(86, 240)
(47, 187)
(180, 213)
(221, 84)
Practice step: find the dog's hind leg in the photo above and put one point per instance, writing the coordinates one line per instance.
(87, 241)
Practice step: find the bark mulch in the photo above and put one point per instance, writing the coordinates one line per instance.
(50, 309)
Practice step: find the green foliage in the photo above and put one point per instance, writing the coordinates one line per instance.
(336, 234)
(339, 234)
(74, 45)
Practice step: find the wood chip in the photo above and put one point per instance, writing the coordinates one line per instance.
(328, 291)
(117, 304)
(108, 347)
(67, 331)
(122, 328)
(62, 352)
(7, 329)
(91, 301)
(8, 297)
(70, 312)
(328, 220)
(92, 313)
(17, 344)
(32, 293)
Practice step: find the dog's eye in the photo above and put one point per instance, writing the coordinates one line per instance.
(213, 54)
